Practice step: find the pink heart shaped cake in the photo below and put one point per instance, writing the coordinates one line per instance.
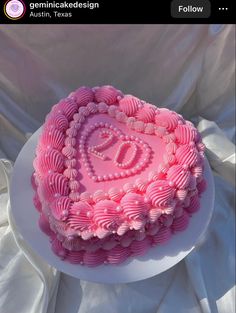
(114, 176)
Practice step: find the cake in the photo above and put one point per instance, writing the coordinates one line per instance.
(114, 176)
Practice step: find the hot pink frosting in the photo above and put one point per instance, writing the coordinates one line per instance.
(129, 187)
(117, 255)
(44, 225)
(146, 114)
(86, 196)
(60, 208)
(168, 138)
(187, 155)
(149, 128)
(160, 193)
(141, 184)
(75, 257)
(92, 259)
(181, 194)
(167, 119)
(129, 105)
(202, 185)
(197, 171)
(160, 131)
(152, 229)
(70, 141)
(80, 216)
(180, 223)
(70, 162)
(106, 215)
(193, 183)
(52, 139)
(92, 107)
(139, 126)
(114, 175)
(185, 134)
(179, 175)
(58, 121)
(37, 203)
(162, 236)
(68, 107)
(102, 233)
(71, 132)
(58, 249)
(74, 185)
(126, 239)
(115, 194)
(70, 173)
(102, 107)
(123, 228)
(121, 117)
(169, 158)
(109, 244)
(194, 204)
(58, 227)
(99, 195)
(154, 214)
(140, 247)
(134, 207)
(72, 243)
(95, 244)
(112, 110)
(54, 185)
(79, 117)
(33, 181)
(166, 220)
(48, 161)
(106, 94)
(171, 147)
(69, 152)
(83, 96)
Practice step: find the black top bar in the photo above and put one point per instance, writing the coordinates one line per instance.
(117, 12)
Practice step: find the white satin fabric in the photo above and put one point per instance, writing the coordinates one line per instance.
(188, 68)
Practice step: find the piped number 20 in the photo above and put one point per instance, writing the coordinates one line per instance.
(124, 146)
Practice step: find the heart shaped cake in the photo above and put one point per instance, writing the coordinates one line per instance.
(114, 176)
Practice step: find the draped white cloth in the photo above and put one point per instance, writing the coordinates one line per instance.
(188, 68)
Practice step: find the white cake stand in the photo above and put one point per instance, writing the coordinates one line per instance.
(156, 261)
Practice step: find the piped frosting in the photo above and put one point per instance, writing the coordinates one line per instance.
(108, 225)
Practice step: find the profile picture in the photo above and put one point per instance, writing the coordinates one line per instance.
(14, 9)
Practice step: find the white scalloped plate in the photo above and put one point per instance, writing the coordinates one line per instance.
(157, 259)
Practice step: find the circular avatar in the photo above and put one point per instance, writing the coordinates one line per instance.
(14, 9)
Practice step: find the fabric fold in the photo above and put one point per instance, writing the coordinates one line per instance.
(28, 280)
